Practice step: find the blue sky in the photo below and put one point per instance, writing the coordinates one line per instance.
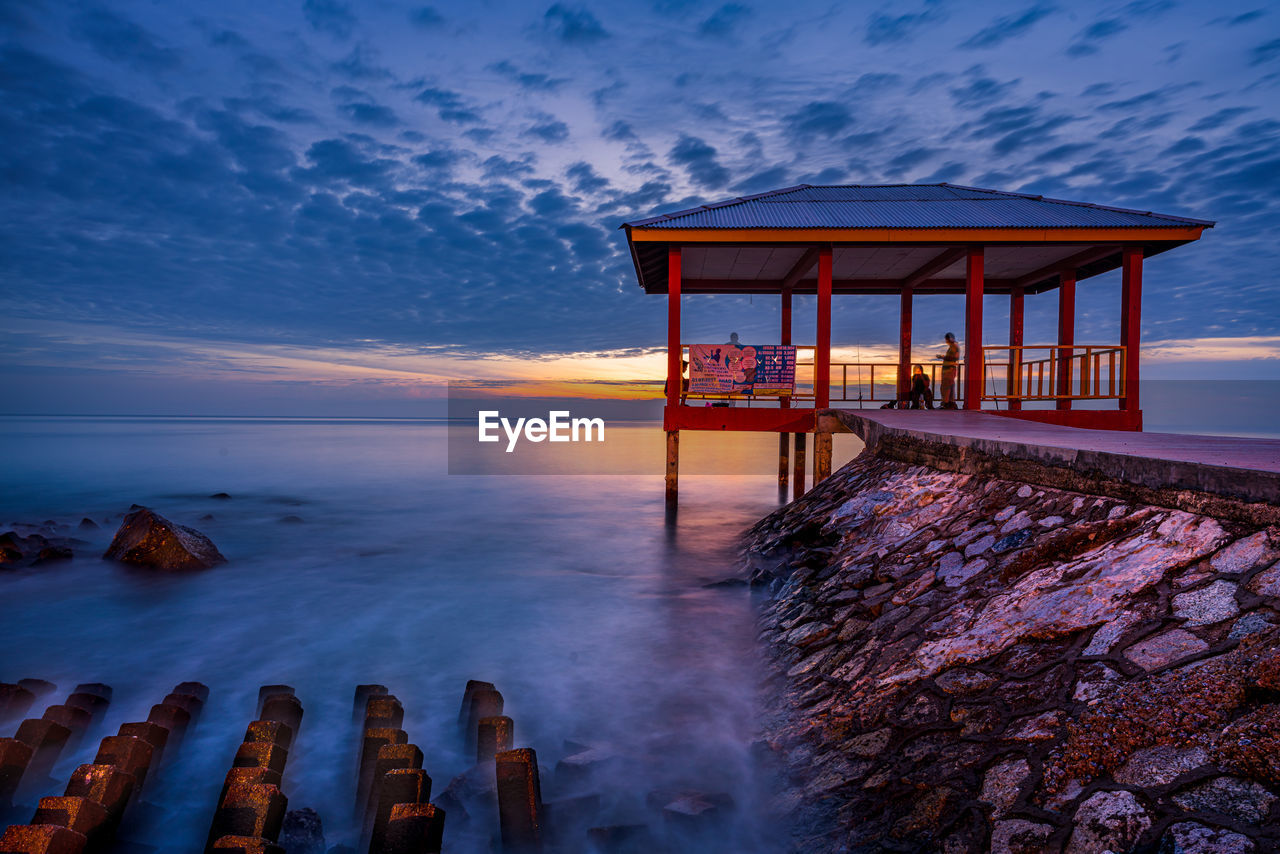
(299, 205)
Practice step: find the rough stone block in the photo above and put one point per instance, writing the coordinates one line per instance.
(195, 689)
(363, 693)
(153, 734)
(129, 753)
(246, 845)
(413, 829)
(464, 713)
(14, 758)
(73, 718)
(103, 784)
(46, 740)
(255, 811)
(397, 786)
(485, 703)
(15, 701)
(94, 705)
(382, 712)
(269, 732)
(285, 708)
(172, 718)
(519, 799)
(188, 702)
(303, 832)
(374, 740)
(391, 757)
(41, 839)
(39, 687)
(493, 736)
(261, 754)
(249, 776)
(270, 691)
(75, 813)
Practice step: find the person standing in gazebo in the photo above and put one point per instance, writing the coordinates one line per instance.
(950, 367)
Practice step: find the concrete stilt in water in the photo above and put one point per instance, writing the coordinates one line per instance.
(14, 758)
(494, 735)
(797, 482)
(464, 713)
(821, 457)
(784, 460)
(270, 690)
(673, 465)
(374, 741)
(383, 712)
(519, 800)
(286, 709)
(42, 839)
(391, 757)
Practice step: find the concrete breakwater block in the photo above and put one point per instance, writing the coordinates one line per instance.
(195, 689)
(246, 845)
(14, 758)
(383, 711)
(153, 734)
(46, 739)
(130, 754)
(269, 732)
(285, 709)
(519, 800)
(75, 719)
(270, 691)
(413, 829)
(372, 742)
(397, 787)
(15, 701)
(254, 811)
(41, 839)
(360, 705)
(261, 754)
(107, 785)
(189, 703)
(39, 687)
(494, 735)
(80, 814)
(172, 718)
(92, 704)
(485, 703)
(255, 775)
(468, 694)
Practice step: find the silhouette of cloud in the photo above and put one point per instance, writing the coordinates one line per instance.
(574, 26)
(329, 16)
(1007, 27)
(725, 21)
(887, 28)
(699, 161)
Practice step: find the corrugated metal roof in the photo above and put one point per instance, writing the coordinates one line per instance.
(907, 206)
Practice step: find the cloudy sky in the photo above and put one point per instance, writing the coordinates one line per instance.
(311, 205)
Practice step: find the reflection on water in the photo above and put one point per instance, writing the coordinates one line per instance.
(570, 593)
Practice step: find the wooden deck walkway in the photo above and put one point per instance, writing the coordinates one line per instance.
(1239, 468)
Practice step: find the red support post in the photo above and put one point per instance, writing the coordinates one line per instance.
(1015, 355)
(785, 335)
(904, 345)
(1066, 334)
(675, 375)
(973, 328)
(822, 351)
(1131, 324)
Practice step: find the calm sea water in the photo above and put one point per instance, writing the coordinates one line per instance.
(576, 595)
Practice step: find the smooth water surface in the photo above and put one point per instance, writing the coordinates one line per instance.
(353, 558)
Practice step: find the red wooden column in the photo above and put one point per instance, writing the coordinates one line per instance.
(1131, 324)
(904, 345)
(1066, 334)
(1014, 389)
(822, 351)
(784, 402)
(973, 329)
(675, 375)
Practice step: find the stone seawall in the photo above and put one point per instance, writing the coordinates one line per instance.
(975, 664)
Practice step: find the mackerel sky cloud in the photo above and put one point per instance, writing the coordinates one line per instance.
(445, 181)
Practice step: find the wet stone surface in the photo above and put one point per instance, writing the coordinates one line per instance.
(982, 665)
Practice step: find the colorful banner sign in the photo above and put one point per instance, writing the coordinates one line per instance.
(767, 369)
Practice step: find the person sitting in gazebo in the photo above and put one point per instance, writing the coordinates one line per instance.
(921, 395)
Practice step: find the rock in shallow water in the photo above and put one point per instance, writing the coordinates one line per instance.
(148, 539)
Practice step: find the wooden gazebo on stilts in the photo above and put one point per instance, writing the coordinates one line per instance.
(910, 240)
